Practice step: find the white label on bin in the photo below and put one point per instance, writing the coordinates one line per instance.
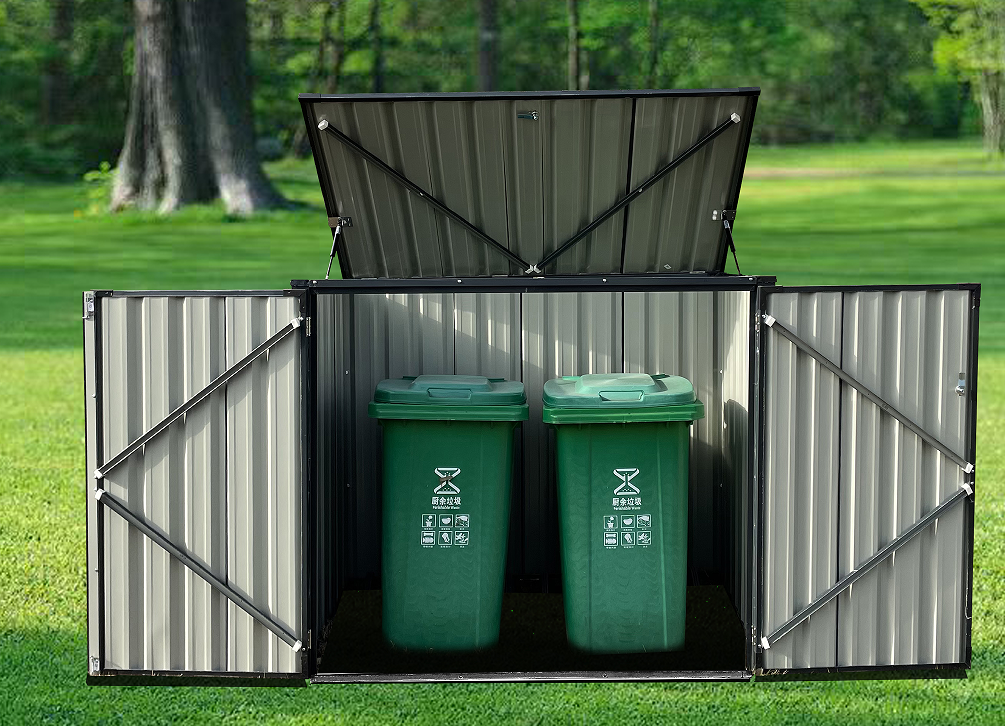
(445, 530)
(447, 474)
(446, 494)
(626, 494)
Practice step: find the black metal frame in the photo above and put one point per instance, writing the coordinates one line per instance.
(105, 676)
(675, 282)
(314, 131)
(535, 676)
(971, 450)
(760, 288)
(553, 283)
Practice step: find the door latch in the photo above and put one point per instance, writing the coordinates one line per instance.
(961, 386)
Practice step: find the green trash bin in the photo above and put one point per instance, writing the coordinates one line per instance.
(622, 445)
(448, 458)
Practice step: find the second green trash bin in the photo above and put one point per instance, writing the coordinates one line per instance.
(448, 453)
(622, 445)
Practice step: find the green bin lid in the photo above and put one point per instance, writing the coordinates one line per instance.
(618, 390)
(450, 391)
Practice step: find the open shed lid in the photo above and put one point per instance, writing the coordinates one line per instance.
(470, 184)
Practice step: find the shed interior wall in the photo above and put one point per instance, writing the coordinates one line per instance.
(532, 336)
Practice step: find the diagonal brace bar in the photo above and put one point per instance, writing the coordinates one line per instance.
(323, 125)
(772, 323)
(238, 599)
(202, 395)
(634, 194)
(732, 247)
(848, 580)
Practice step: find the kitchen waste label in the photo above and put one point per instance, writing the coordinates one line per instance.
(445, 527)
(628, 527)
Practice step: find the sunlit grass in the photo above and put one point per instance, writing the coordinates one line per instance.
(890, 228)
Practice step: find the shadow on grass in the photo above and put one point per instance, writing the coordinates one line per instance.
(196, 681)
(948, 673)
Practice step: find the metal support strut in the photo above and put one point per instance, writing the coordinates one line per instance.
(331, 256)
(323, 125)
(107, 500)
(634, 194)
(848, 580)
(237, 598)
(732, 247)
(966, 489)
(802, 345)
(202, 395)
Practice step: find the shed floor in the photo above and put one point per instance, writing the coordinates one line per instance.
(532, 639)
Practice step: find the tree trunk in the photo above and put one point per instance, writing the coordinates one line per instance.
(573, 75)
(56, 76)
(190, 134)
(488, 39)
(338, 49)
(325, 77)
(991, 87)
(377, 43)
(654, 43)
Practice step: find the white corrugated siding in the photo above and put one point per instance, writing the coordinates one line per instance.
(843, 479)
(223, 483)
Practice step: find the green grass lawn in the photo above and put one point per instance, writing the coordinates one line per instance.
(925, 212)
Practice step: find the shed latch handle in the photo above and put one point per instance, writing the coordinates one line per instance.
(961, 386)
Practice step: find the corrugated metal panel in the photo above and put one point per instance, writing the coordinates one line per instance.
(335, 421)
(670, 227)
(564, 334)
(530, 184)
(223, 483)
(801, 479)
(842, 479)
(733, 361)
(487, 335)
(668, 332)
(534, 337)
(909, 348)
(395, 335)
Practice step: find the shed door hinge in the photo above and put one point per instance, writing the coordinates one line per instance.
(728, 215)
(88, 306)
(307, 640)
(307, 326)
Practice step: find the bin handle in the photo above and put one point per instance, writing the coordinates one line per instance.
(621, 395)
(464, 393)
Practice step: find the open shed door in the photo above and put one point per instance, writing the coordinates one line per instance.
(868, 409)
(195, 483)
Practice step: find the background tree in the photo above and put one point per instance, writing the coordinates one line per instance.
(190, 135)
(488, 42)
(829, 71)
(972, 42)
(572, 82)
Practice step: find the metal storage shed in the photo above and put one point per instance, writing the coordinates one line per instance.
(233, 509)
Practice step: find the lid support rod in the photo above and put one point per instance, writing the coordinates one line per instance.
(729, 239)
(323, 125)
(634, 194)
(331, 256)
